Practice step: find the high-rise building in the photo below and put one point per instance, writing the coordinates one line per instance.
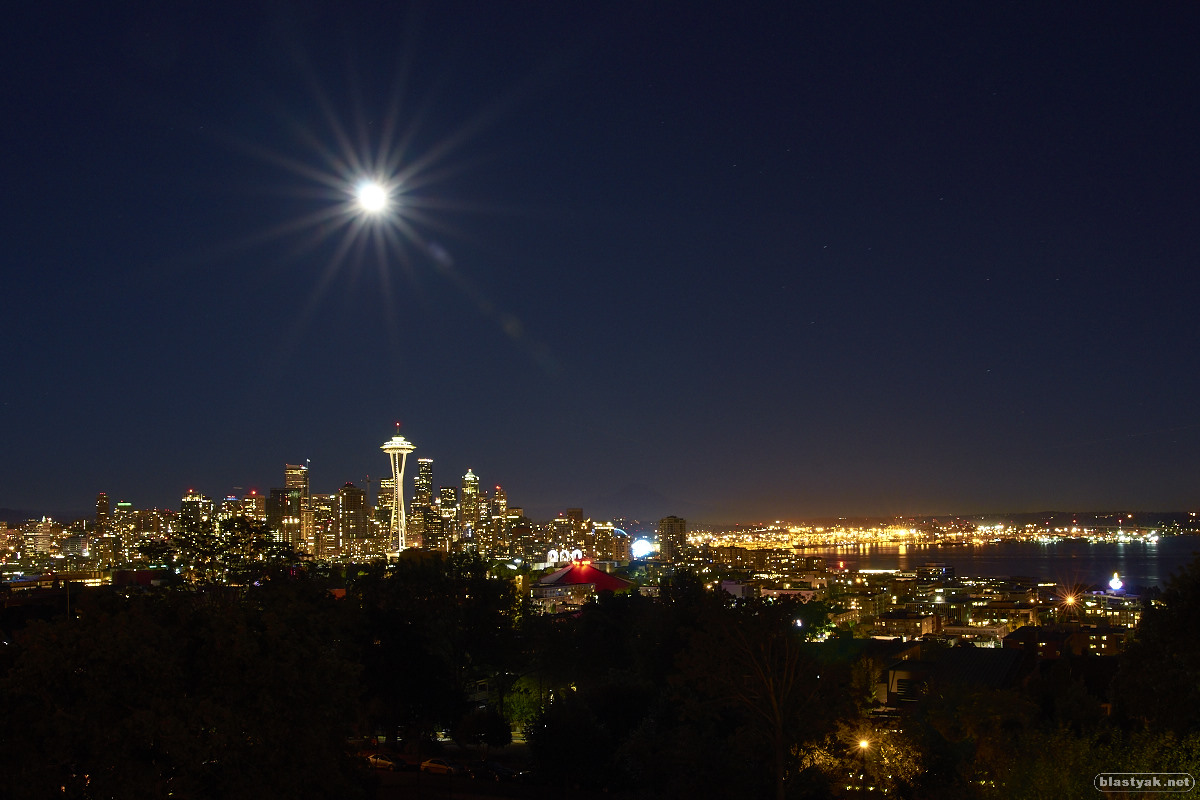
(230, 508)
(319, 526)
(622, 546)
(564, 534)
(422, 502)
(433, 537)
(383, 503)
(283, 509)
(469, 504)
(601, 544)
(448, 501)
(351, 514)
(102, 514)
(41, 536)
(123, 530)
(195, 512)
(295, 476)
(580, 528)
(254, 506)
(672, 538)
(423, 483)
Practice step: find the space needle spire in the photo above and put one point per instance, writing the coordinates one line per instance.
(397, 449)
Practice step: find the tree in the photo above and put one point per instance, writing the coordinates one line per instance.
(1158, 683)
(750, 661)
(238, 550)
(433, 627)
(171, 695)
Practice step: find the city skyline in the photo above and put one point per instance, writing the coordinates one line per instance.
(772, 263)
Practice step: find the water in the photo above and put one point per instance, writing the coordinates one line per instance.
(1075, 561)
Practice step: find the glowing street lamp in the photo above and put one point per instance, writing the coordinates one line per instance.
(863, 746)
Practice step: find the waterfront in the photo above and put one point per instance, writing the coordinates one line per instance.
(1078, 561)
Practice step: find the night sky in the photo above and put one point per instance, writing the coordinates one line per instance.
(728, 261)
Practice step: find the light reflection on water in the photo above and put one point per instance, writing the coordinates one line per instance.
(1139, 564)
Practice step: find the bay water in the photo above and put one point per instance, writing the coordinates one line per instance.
(1139, 564)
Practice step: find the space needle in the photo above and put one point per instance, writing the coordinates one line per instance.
(397, 449)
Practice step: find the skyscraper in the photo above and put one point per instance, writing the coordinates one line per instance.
(319, 525)
(423, 483)
(351, 515)
(432, 537)
(601, 544)
(102, 514)
(448, 504)
(196, 512)
(254, 506)
(672, 538)
(283, 515)
(470, 501)
(295, 476)
(383, 502)
(422, 506)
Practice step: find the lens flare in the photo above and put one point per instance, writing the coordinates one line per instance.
(372, 197)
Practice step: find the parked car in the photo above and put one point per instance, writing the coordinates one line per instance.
(440, 766)
(384, 761)
(491, 771)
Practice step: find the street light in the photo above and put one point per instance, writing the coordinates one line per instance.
(863, 746)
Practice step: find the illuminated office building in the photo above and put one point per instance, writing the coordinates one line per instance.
(449, 511)
(352, 523)
(319, 526)
(195, 512)
(600, 544)
(422, 506)
(565, 534)
(102, 514)
(230, 508)
(469, 505)
(122, 527)
(423, 483)
(283, 508)
(254, 506)
(383, 502)
(295, 476)
(434, 537)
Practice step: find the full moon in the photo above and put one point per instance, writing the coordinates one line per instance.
(372, 197)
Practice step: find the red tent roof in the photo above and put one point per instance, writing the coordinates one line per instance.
(583, 572)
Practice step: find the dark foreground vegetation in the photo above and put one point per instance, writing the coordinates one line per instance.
(262, 678)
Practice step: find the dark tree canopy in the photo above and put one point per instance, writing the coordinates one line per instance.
(174, 695)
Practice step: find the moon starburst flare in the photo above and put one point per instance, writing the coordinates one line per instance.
(372, 197)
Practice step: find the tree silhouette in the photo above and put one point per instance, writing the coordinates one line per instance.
(751, 661)
(433, 628)
(238, 551)
(1158, 683)
(172, 695)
